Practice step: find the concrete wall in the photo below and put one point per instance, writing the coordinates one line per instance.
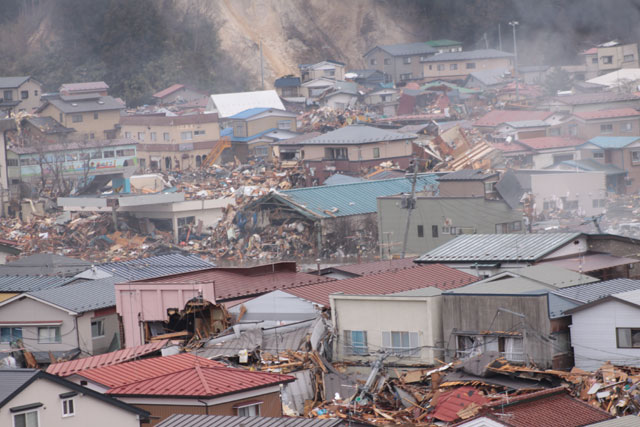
(584, 187)
(461, 71)
(546, 158)
(375, 314)
(479, 313)
(89, 411)
(593, 335)
(106, 121)
(617, 54)
(340, 101)
(469, 214)
(98, 345)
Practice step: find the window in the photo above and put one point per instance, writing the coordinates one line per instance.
(68, 408)
(186, 220)
(26, 419)
(440, 67)
(129, 152)
(8, 335)
(140, 136)
(406, 60)
(373, 61)
(628, 58)
(76, 118)
(127, 134)
(61, 117)
(573, 130)
(284, 124)
(153, 136)
(453, 67)
(606, 128)
(594, 60)
(599, 203)
(635, 157)
(554, 131)
(471, 65)
(261, 151)
(97, 328)
(198, 132)
(49, 335)
(96, 155)
(628, 337)
(406, 76)
(489, 188)
(598, 154)
(186, 136)
(355, 342)
(449, 230)
(35, 93)
(330, 73)
(24, 94)
(387, 61)
(336, 153)
(626, 127)
(401, 343)
(508, 227)
(251, 410)
(8, 95)
(13, 162)
(376, 152)
(108, 154)
(165, 136)
(434, 231)
(95, 116)
(607, 59)
(420, 231)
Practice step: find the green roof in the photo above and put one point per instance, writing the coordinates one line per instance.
(358, 198)
(442, 42)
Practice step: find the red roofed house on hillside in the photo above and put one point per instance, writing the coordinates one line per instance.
(146, 301)
(396, 311)
(188, 384)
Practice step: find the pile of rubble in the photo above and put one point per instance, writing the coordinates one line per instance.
(325, 119)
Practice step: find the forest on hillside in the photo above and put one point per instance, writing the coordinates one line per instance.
(141, 46)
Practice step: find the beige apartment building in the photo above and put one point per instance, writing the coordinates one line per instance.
(400, 61)
(609, 57)
(458, 65)
(19, 94)
(171, 143)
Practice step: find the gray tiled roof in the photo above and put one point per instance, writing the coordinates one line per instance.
(469, 55)
(12, 82)
(23, 283)
(498, 247)
(82, 296)
(103, 103)
(358, 134)
(407, 49)
(190, 420)
(490, 77)
(12, 379)
(44, 264)
(594, 291)
(156, 266)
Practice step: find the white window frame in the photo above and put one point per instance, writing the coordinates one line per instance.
(65, 407)
(186, 135)
(256, 405)
(49, 340)
(284, 124)
(355, 350)
(411, 350)
(100, 323)
(13, 417)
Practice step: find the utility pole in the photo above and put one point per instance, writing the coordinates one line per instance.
(262, 65)
(499, 37)
(514, 24)
(411, 204)
(486, 42)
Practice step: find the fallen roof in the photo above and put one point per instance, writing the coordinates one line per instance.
(191, 420)
(48, 125)
(390, 282)
(468, 55)
(498, 247)
(358, 134)
(607, 114)
(64, 369)
(496, 117)
(228, 104)
(330, 201)
(491, 77)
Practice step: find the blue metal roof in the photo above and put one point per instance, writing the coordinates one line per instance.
(249, 113)
(226, 132)
(329, 201)
(608, 142)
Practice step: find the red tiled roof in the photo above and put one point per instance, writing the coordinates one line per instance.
(450, 403)
(64, 369)
(151, 120)
(240, 282)
(496, 117)
(548, 408)
(513, 147)
(168, 91)
(545, 142)
(591, 51)
(202, 381)
(389, 282)
(607, 114)
(365, 268)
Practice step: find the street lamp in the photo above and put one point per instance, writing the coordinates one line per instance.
(515, 53)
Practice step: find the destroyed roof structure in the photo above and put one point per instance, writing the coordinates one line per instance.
(44, 264)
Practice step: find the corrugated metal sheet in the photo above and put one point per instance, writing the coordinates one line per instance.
(13, 379)
(436, 275)
(351, 199)
(156, 266)
(594, 291)
(613, 141)
(498, 247)
(362, 269)
(189, 420)
(30, 283)
(82, 296)
(64, 369)
(626, 421)
(295, 393)
(592, 262)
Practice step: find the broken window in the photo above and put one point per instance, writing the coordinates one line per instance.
(355, 342)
